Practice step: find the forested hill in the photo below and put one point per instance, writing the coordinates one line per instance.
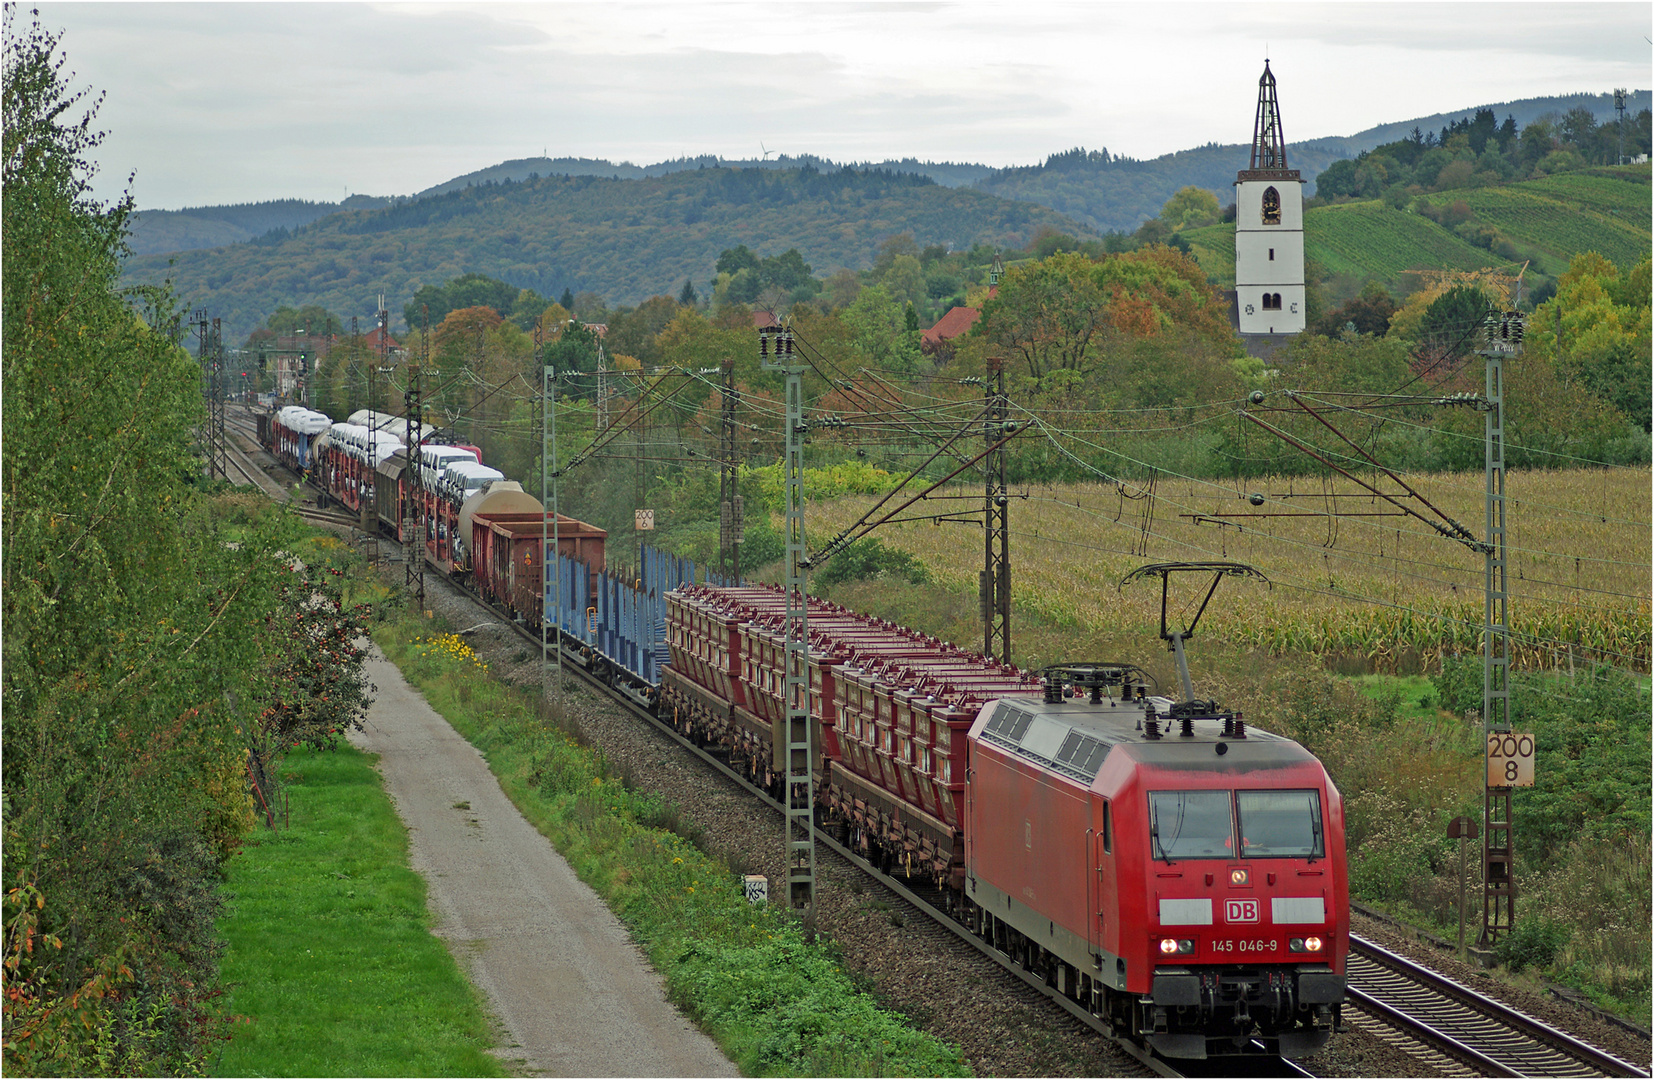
(625, 239)
(157, 231)
(947, 173)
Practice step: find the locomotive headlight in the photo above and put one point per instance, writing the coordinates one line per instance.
(1239, 875)
(1168, 946)
(1176, 946)
(1309, 944)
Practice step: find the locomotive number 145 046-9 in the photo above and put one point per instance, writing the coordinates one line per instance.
(1244, 945)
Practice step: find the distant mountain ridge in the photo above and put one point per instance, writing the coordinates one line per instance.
(1116, 194)
(158, 231)
(627, 240)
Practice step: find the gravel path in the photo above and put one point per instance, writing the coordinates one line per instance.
(573, 994)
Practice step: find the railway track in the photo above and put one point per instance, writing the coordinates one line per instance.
(1458, 1030)
(1441, 1022)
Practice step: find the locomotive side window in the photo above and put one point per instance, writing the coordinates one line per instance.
(1191, 824)
(1281, 824)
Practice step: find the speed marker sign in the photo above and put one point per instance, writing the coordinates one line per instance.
(1509, 759)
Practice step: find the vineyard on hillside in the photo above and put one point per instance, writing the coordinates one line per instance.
(1552, 219)
(1560, 216)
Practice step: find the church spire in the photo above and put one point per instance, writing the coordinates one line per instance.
(1268, 143)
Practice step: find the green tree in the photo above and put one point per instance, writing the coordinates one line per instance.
(1047, 314)
(1450, 328)
(470, 290)
(1190, 208)
(1595, 331)
(878, 330)
(634, 332)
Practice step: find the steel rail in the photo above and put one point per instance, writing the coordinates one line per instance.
(1537, 1048)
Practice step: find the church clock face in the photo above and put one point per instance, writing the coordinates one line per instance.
(1271, 206)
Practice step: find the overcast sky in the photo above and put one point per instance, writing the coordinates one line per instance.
(224, 103)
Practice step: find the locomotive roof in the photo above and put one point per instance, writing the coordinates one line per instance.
(1073, 737)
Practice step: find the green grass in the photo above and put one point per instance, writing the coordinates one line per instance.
(329, 956)
(1415, 695)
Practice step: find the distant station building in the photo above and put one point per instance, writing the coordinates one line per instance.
(1269, 235)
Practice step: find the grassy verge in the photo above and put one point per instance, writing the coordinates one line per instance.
(329, 956)
(775, 1004)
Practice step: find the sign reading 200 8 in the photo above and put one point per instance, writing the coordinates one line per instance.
(1509, 759)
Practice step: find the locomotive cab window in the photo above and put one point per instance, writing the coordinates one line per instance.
(1191, 824)
(1281, 824)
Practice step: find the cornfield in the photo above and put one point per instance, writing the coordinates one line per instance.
(1352, 576)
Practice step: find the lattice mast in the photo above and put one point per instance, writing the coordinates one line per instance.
(777, 352)
(994, 584)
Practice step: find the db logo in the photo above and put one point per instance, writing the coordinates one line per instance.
(1240, 911)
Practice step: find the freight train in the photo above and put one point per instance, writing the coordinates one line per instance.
(1176, 870)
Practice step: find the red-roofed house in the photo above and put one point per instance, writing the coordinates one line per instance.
(955, 323)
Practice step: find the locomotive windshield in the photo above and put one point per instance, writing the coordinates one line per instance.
(1191, 824)
(1203, 824)
(1280, 824)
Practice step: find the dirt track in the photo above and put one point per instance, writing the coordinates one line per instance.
(573, 995)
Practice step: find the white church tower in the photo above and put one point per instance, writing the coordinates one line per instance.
(1269, 228)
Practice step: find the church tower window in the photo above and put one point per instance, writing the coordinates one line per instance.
(1271, 206)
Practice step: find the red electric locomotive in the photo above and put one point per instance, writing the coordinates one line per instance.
(1181, 873)
(1178, 872)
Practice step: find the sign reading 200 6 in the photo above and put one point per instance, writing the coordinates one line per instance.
(1509, 759)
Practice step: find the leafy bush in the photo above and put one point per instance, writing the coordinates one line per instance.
(1534, 941)
(1459, 686)
(762, 543)
(868, 558)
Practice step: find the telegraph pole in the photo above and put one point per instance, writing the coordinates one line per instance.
(776, 352)
(994, 583)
